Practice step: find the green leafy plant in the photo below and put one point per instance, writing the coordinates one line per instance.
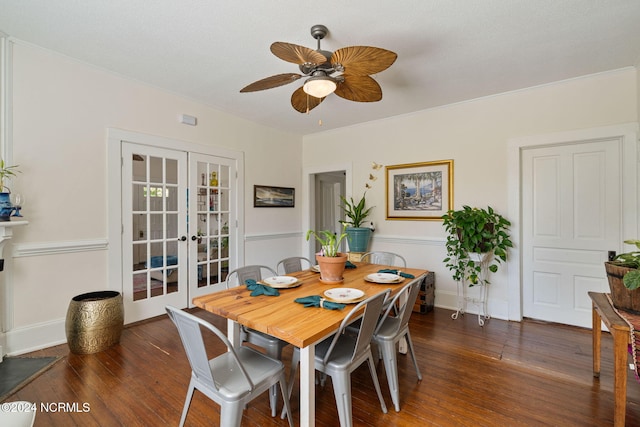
(475, 230)
(329, 241)
(356, 213)
(6, 172)
(631, 279)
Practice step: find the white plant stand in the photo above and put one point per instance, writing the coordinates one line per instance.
(480, 300)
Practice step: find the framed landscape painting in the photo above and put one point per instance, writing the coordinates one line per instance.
(266, 196)
(419, 191)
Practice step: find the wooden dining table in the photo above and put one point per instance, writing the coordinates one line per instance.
(303, 327)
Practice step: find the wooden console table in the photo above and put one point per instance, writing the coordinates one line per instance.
(620, 331)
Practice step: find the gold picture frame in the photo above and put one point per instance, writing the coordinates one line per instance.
(419, 191)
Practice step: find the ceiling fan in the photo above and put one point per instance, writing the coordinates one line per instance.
(345, 72)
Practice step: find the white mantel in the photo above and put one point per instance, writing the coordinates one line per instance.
(6, 232)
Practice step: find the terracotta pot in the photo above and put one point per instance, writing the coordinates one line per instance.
(621, 297)
(332, 268)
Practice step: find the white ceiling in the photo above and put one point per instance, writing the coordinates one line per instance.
(448, 50)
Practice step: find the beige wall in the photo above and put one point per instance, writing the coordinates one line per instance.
(61, 112)
(474, 134)
(62, 108)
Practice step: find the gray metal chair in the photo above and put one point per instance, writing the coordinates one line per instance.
(384, 258)
(293, 264)
(272, 345)
(391, 329)
(231, 379)
(342, 353)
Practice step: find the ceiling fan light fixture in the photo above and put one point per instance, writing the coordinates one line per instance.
(319, 86)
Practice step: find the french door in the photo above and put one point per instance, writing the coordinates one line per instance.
(178, 224)
(211, 185)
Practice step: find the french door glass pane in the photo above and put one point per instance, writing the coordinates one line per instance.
(155, 199)
(212, 201)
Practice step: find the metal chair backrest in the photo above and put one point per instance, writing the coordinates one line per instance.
(384, 258)
(403, 311)
(256, 272)
(189, 329)
(292, 264)
(372, 310)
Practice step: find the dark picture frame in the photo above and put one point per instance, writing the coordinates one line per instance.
(268, 196)
(419, 191)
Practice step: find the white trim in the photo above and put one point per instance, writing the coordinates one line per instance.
(6, 92)
(36, 337)
(308, 196)
(626, 132)
(403, 240)
(115, 138)
(272, 236)
(53, 248)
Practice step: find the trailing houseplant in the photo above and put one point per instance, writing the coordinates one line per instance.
(355, 215)
(475, 236)
(631, 260)
(623, 275)
(331, 261)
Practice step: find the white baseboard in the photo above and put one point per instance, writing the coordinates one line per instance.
(35, 337)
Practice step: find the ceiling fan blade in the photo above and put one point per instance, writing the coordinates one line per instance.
(359, 88)
(363, 60)
(303, 102)
(297, 54)
(271, 82)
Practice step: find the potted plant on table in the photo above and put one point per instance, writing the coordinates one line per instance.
(331, 261)
(623, 275)
(356, 213)
(476, 238)
(6, 207)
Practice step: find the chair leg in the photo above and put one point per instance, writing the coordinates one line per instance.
(295, 359)
(286, 410)
(374, 377)
(275, 353)
(391, 368)
(413, 356)
(187, 403)
(342, 392)
(231, 414)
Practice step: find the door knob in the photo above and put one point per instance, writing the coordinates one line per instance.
(183, 238)
(194, 238)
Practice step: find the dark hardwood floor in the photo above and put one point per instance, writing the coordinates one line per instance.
(502, 374)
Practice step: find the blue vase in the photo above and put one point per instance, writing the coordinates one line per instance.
(6, 207)
(358, 238)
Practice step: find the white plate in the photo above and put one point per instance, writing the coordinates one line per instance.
(316, 268)
(383, 278)
(280, 281)
(343, 294)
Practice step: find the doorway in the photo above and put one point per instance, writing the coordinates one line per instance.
(575, 198)
(173, 221)
(325, 185)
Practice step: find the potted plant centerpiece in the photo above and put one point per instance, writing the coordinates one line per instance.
(475, 237)
(330, 261)
(6, 207)
(356, 213)
(623, 275)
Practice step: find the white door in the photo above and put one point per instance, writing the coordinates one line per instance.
(212, 227)
(329, 188)
(154, 220)
(571, 204)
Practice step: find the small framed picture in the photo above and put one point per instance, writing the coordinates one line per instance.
(267, 196)
(419, 191)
